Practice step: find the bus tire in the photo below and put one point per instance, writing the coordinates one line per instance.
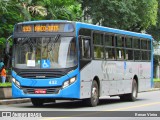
(133, 95)
(123, 97)
(37, 102)
(94, 99)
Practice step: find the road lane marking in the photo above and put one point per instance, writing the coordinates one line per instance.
(117, 109)
(136, 106)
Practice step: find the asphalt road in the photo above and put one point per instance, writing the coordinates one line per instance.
(146, 107)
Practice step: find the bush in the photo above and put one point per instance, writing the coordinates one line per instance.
(7, 84)
(156, 80)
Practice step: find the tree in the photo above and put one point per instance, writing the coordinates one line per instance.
(134, 15)
(147, 14)
(14, 11)
(65, 10)
(29, 9)
(155, 30)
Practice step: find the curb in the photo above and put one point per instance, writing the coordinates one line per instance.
(154, 89)
(14, 101)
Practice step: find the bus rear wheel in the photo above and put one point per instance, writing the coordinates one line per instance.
(94, 99)
(37, 102)
(133, 95)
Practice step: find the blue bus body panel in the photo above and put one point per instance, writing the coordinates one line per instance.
(72, 91)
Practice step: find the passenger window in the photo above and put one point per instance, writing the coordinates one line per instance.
(109, 40)
(110, 53)
(120, 54)
(129, 54)
(97, 39)
(137, 55)
(144, 55)
(98, 52)
(128, 42)
(119, 41)
(136, 43)
(143, 44)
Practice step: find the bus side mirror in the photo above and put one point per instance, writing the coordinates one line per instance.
(7, 49)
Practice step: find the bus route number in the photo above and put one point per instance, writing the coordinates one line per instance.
(52, 82)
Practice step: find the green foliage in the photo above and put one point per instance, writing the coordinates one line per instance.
(2, 41)
(147, 12)
(134, 15)
(156, 80)
(14, 11)
(60, 9)
(7, 84)
(155, 30)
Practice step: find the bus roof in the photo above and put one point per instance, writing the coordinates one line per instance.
(112, 30)
(43, 21)
(94, 27)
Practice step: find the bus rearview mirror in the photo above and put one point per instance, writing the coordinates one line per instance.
(7, 49)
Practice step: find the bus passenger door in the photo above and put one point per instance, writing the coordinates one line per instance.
(85, 48)
(85, 66)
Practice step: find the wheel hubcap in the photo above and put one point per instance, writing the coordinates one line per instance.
(94, 94)
(134, 91)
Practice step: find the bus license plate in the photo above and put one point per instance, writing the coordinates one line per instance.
(40, 91)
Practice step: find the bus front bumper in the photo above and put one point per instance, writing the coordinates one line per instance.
(70, 92)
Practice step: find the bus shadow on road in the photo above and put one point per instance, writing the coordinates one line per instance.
(80, 104)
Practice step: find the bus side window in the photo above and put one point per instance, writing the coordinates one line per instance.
(110, 53)
(85, 48)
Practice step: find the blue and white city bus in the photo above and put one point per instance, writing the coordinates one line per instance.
(56, 59)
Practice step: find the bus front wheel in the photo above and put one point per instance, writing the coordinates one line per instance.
(94, 99)
(37, 102)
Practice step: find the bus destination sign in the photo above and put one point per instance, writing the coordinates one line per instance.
(61, 27)
(41, 28)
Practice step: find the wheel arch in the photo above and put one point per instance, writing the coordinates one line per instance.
(137, 81)
(96, 78)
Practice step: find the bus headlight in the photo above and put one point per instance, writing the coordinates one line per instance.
(13, 80)
(66, 83)
(17, 83)
(72, 80)
(69, 82)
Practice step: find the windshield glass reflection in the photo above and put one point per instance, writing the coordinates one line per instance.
(46, 52)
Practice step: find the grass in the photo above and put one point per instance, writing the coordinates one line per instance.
(156, 79)
(7, 84)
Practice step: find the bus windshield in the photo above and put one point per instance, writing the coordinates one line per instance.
(44, 52)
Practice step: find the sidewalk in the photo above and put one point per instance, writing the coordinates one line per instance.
(14, 101)
(154, 89)
(24, 100)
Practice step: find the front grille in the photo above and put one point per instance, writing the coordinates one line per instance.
(49, 90)
(42, 73)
